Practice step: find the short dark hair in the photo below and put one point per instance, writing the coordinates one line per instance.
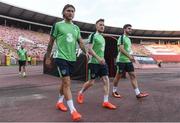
(127, 25)
(67, 6)
(99, 20)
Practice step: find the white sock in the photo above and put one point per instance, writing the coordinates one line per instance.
(137, 91)
(71, 105)
(114, 89)
(81, 91)
(60, 99)
(24, 74)
(106, 98)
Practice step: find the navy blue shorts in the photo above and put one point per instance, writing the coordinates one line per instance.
(97, 70)
(125, 67)
(22, 63)
(65, 67)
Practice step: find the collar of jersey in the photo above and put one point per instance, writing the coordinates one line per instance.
(63, 21)
(125, 35)
(98, 33)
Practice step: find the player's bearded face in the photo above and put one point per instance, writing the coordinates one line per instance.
(129, 30)
(100, 26)
(69, 13)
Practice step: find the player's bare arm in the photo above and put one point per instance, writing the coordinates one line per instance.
(91, 51)
(49, 49)
(122, 50)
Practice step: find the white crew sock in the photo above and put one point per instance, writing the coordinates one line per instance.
(137, 91)
(24, 74)
(71, 105)
(106, 98)
(114, 89)
(60, 99)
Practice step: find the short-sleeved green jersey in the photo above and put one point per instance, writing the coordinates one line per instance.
(126, 42)
(66, 36)
(98, 42)
(22, 54)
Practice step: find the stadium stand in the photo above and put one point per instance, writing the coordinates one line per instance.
(164, 53)
(139, 49)
(35, 42)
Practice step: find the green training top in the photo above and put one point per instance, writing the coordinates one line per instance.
(126, 42)
(66, 36)
(22, 54)
(98, 42)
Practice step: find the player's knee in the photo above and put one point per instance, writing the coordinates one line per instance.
(66, 84)
(132, 76)
(91, 83)
(117, 78)
(106, 80)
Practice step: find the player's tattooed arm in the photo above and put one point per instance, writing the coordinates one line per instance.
(49, 47)
(82, 46)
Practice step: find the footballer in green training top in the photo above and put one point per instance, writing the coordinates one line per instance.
(66, 35)
(97, 65)
(124, 63)
(22, 58)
